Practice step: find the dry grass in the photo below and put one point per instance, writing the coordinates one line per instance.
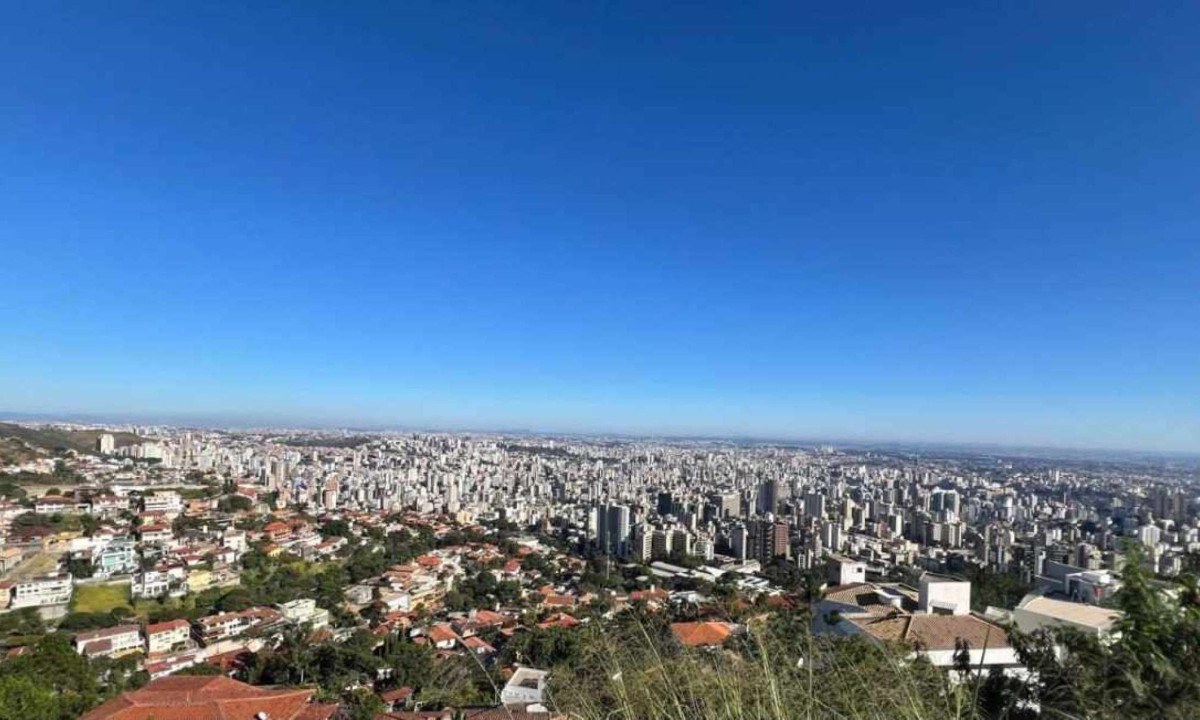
(636, 673)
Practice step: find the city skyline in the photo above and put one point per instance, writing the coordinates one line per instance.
(761, 220)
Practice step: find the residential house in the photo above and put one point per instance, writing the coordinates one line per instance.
(168, 636)
(227, 625)
(110, 642)
(703, 634)
(116, 557)
(211, 697)
(527, 686)
(304, 611)
(51, 504)
(156, 533)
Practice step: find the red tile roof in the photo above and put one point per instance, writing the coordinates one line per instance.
(165, 626)
(209, 698)
(702, 634)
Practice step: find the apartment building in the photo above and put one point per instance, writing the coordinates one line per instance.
(53, 589)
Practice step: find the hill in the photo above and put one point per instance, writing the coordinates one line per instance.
(55, 439)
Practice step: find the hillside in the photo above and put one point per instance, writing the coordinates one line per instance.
(53, 439)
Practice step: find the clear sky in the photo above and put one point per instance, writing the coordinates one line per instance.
(835, 220)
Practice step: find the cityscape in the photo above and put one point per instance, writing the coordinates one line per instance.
(161, 553)
(613, 360)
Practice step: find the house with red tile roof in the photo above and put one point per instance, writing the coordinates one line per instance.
(703, 634)
(211, 698)
(442, 636)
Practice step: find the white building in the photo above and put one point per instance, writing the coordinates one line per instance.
(105, 444)
(944, 596)
(1035, 612)
(109, 642)
(41, 591)
(304, 611)
(167, 636)
(527, 686)
(165, 501)
(153, 584)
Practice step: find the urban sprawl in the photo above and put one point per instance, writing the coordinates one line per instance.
(164, 551)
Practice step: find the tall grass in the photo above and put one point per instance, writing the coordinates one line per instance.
(776, 671)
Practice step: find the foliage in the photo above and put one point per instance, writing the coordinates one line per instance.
(55, 522)
(25, 621)
(22, 698)
(482, 590)
(543, 648)
(80, 567)
(54, 666)
(235, 504)
(1146, 671)
(79, 621)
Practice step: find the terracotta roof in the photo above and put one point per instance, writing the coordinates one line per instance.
(934, 632)
(478, 644)
(866, 596)
(702, 634)
(165, 626)
(391, 696)
(559, 620)
(209, 698)
(441, 633)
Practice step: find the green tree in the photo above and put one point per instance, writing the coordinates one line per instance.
(22, 698)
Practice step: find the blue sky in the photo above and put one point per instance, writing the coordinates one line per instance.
(791, 220)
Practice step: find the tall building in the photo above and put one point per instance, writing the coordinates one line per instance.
(814, 505)
(768, 497)
(106, 444)
(768, 539)
(612, 529)
(1168, 503)
(641, 545)
(739, 542)
(726, 505)
(665, 504)
(660, 543)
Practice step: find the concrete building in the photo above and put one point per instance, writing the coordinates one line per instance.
(43, 591)
(527, 686)
(1035, 612)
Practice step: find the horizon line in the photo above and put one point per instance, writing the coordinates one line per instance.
(205, 421)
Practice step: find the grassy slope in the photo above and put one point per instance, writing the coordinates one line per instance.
(100, 598)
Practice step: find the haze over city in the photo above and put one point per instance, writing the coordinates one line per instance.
(769, 220)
